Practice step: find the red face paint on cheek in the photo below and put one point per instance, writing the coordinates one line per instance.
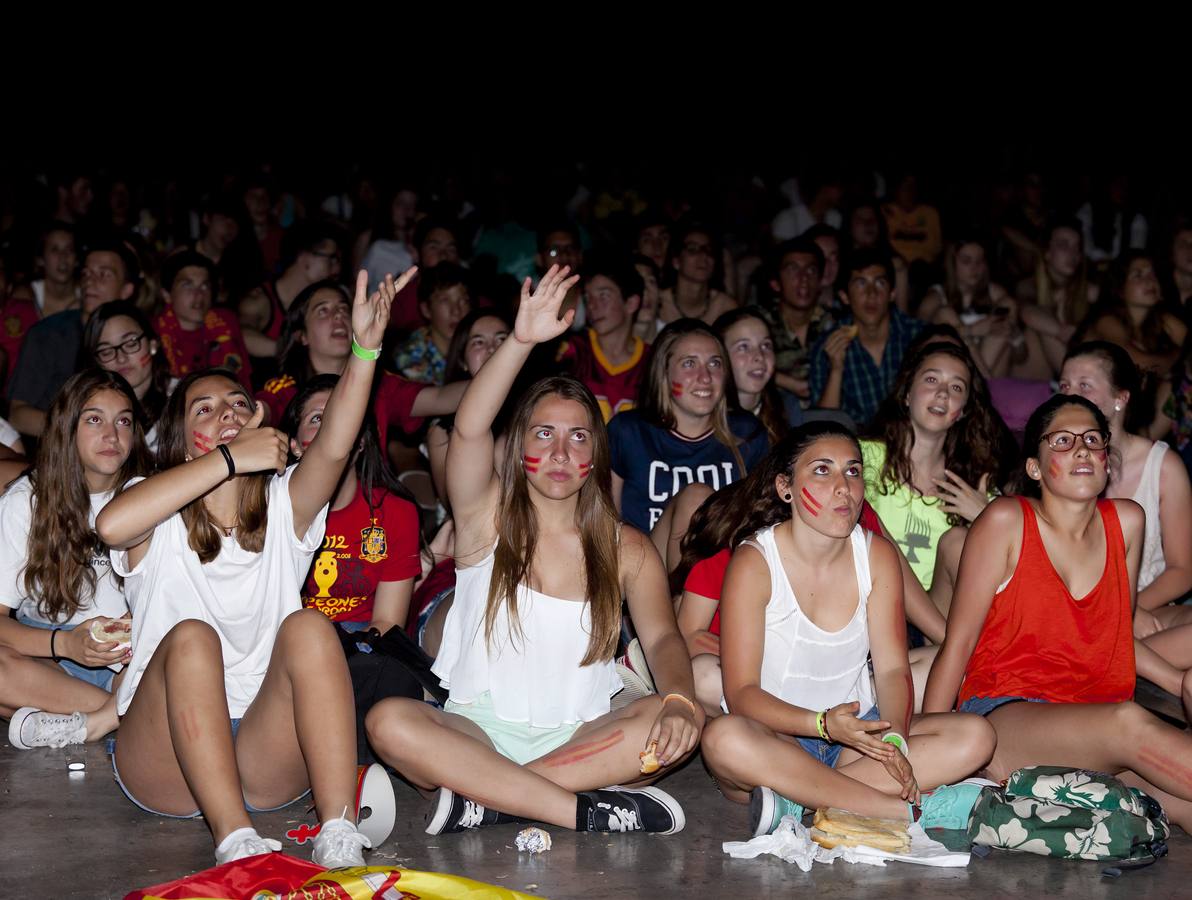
(676, 389)
(1053, 468)
(530, 463)
(585, 469)
(809, 499)
(807, 506)
(144, 360)
(202, 443)
(306, 444)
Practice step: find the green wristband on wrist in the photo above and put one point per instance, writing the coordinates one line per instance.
(364, 353)
(898, 741)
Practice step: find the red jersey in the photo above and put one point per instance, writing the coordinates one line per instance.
(218, 343)
(392, 405)
(706, 577)
(615, 387)
(359, 552)
(19, 316)
(1040, 642)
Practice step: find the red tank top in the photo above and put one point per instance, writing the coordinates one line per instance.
(1039, 641)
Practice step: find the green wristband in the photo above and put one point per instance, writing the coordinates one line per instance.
(364, 353)
(898, 741)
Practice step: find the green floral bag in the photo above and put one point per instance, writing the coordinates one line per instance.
(1072, 814)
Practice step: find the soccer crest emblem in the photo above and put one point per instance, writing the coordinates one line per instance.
(372, 543)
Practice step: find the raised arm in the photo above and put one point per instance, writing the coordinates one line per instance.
(990, 551)
(471, 479)
(322, 465)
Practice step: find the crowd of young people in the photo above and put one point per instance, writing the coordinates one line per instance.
(784, 504)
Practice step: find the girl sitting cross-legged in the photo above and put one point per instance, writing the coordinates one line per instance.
(806, 601)
(527, 650)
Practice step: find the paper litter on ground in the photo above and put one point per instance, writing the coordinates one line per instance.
(792, 843)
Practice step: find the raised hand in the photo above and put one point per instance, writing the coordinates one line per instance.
(538, 312)
(257, 449)
(370, 314)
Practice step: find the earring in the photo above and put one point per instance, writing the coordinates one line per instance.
(788, 496)
(1117, 407)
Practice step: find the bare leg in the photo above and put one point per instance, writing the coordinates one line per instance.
(709, 686)
(26, 681)
(921, 660)
(1108, 737)
(947, 564)
(432, 748)
(301, 729)
(175, 751)
(1173, 615)
(1154, 668)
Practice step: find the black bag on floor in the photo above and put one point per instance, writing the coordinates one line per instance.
(394, 667)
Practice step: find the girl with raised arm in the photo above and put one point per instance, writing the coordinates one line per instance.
(1039, 635)
(236, 698)
(807, 599)
(527, 650)
(55, 675)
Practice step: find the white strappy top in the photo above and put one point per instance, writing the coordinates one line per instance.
(534, 677)
(1146, 495)
(801, 663)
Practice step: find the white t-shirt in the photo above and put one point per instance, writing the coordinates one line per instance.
(244, 596)
(16, 513)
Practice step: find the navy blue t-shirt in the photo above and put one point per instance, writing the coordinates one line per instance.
(656, 464)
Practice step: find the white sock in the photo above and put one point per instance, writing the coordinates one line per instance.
(239, 834)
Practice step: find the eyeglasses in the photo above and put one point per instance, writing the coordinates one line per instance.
(334, 254)
(127, 349)
(1063, 441)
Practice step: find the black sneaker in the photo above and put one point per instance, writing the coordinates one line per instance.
(451, 813)
(633, 809)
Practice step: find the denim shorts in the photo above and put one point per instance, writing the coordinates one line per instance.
(101, 677)
(829, 753)
(983, 706)
(111, 747)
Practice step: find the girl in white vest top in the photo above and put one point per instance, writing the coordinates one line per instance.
(806, 601)
(236, 698)
(528, 646)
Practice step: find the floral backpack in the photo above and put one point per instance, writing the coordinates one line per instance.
(1072, 814)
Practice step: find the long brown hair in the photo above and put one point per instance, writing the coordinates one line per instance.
(982, 300)
(595, 519)
(1078, 288)
(62, 541)
(654, 402)
(744, 507)
(203, 536)
(974, 445)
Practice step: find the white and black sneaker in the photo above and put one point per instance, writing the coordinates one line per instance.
(451, 813)
(620, 808)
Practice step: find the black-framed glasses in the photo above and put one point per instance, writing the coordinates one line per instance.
(127, 348)
(1063, 441)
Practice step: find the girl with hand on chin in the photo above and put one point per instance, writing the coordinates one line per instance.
(527, 650)
(236, 698)
(807, 600)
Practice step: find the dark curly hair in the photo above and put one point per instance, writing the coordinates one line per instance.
(974, 445)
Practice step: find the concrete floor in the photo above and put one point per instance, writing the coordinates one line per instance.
(77, 836)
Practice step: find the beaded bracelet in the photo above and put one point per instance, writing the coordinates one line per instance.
(821, 725)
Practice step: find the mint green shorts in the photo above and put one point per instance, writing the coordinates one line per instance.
(514, 740)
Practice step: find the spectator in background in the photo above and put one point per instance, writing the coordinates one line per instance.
(827, 238)
(57, 288)
(822, 198)
(388, 247)
(436, 240)
(443, 300)
(865, 227)
(111, 271)
(853, 367)
(646, 323)
(699, 278)
(221, 227)
(653, 237)
(1110, 225)
(799, 320)
(193, 334)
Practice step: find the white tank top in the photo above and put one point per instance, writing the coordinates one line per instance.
(1147, 496)
(801, 663)
(534, 677)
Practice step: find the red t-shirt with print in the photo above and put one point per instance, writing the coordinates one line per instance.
(393, 404)
(359, 552)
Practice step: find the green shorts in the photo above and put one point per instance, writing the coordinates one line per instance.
(517, 741)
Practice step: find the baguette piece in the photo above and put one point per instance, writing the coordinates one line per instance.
(118, 630)
(837, 828)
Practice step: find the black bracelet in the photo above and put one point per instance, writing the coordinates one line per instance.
(227, 455)
(53, 652)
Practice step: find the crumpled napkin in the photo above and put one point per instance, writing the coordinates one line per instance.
(792, 843)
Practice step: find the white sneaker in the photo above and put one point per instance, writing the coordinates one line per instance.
(30, 727)
(338, 844)
(243, 843)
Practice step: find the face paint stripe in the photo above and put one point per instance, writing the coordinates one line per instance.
(810, 499)
(807, 506)
(676, 389)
